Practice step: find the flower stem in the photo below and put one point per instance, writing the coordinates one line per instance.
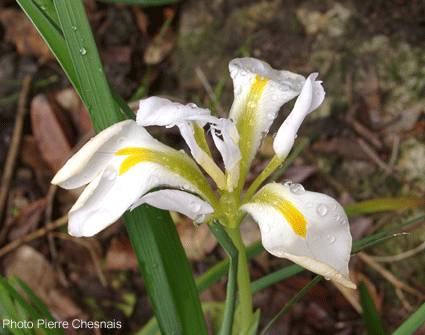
(244, 285)
(273, 164)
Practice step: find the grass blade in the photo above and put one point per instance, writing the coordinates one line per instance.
(297, 297)
(383, 205)
(412, 324)
(371, 318)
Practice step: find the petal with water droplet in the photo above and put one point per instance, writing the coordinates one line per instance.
(293, 228)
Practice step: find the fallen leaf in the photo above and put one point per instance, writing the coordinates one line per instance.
(197, 240)
(120, 255)
(69, 100)
(27, 220)
(51, 136)
(21, 32)
(159, 48)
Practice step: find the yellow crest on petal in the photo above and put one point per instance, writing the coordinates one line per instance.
(292, 215)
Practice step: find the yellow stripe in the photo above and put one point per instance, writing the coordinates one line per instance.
(247, 122)
(293, 216)
(134, 157)
(174, 161)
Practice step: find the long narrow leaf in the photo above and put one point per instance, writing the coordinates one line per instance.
(412, 324)
(88, 68)
(370, 314)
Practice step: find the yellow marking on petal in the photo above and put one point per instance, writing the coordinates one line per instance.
(293, 216)
(199, 135)
(175, 161)
(247, 123)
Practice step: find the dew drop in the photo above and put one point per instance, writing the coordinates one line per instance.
(191, 105)
(195, 206)
(296, 188)
(243, 73)
(287, 182)
(199, 219)
(330, 238)
(270, 116)
(322, 209)
(154, 180)
(266, 228)
(327, 278)
(83, 51)
(74, 28)
(110, 173)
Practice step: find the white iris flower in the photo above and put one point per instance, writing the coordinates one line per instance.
(124, 167)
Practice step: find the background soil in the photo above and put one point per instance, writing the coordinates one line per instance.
(367, 141)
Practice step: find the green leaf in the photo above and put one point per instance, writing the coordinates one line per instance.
(297, 297)
(370, 314)
(416, 320)
(383, 205)
(78, 51)
(85, 58)
(144, 3)
(166, 271)
(227, 244)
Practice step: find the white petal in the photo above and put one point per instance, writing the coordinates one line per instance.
(109, 195)
(177, 201)
(310, 98)
(84, 166)
(228, 146)
(156, 111)
(203, 159)
(325, 246)
(260, 91)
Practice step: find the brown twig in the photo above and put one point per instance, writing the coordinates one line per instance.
(400, 256)
(397, 283)
(34, 235)
(365, 132)
(368, 150)
(205, 83)
(14, 146)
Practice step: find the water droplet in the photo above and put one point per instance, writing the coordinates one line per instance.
(186, 186)
(265, 228)
(287, 182)
(110, 173)
(74, 28)
(296, 188)
(195, 206)
(154, 180)
(243, 73)
(327, 278)
(199, 219)
(330, 238)
(191, 105)
(270, 116)
(322, 209)
(83, 51)
(338, 276)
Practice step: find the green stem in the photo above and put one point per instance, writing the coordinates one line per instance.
(274, 163)
(244, 285)
(227, 244)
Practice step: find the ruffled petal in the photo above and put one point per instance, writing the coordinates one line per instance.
(110, 194)
(310, 98)
(309, 228)
(87, 163)
(260, 91)
(177, 201)
(226, 139)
